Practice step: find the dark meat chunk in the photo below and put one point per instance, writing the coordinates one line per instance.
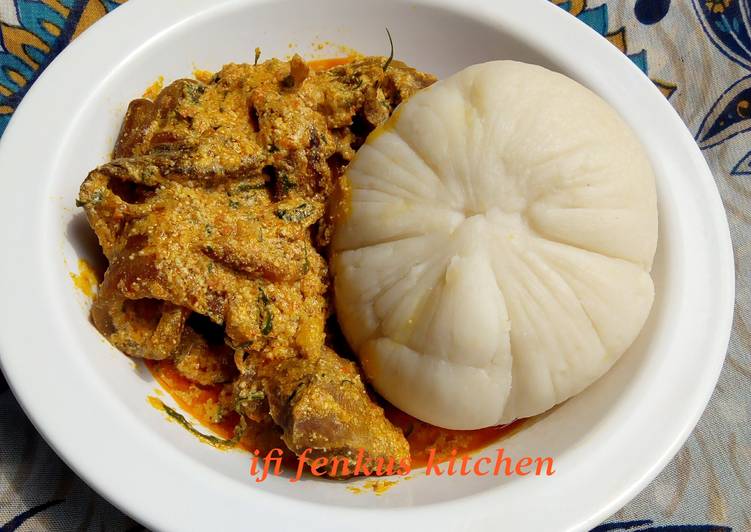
(321, 403)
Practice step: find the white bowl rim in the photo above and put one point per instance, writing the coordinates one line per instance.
(144, 22)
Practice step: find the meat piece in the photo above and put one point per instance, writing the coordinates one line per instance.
(143, 328)
(202, 356)
(215, 209)
(138, 119)
(321, 403)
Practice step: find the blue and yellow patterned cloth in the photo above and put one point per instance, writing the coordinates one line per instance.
(697, 52)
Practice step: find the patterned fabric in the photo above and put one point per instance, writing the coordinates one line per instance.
(697, 52)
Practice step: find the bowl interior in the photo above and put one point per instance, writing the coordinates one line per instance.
(434, 39)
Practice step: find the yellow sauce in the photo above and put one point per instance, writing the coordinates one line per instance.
(331, 62)
(154, 89)
(204, 76)
(177, 417)
(378, 487)
(86, 279)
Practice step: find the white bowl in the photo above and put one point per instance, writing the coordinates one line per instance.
(90, 404)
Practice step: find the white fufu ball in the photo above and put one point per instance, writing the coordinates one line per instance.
(494, 257)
